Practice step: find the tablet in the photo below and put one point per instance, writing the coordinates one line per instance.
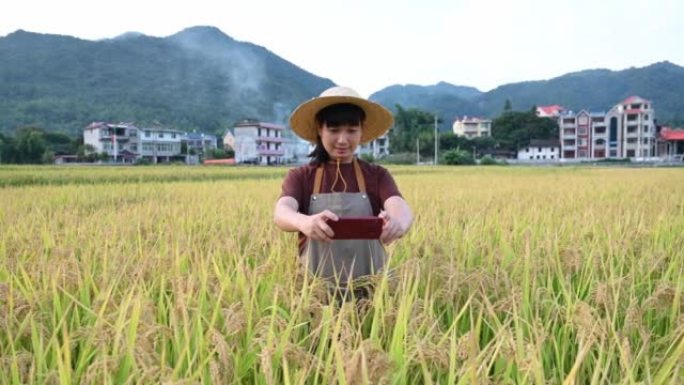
(357, 227)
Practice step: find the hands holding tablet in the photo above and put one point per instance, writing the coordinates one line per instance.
(326, 226)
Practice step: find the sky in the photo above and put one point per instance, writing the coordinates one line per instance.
(372, 44)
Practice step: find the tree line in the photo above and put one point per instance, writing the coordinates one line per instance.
(414, 135)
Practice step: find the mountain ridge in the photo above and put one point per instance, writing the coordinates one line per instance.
(202, 79)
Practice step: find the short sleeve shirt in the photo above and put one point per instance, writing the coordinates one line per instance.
(299, 181)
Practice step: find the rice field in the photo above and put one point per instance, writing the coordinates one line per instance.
(175, 275)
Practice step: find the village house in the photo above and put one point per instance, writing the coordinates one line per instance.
(540, 150)
(256, 142)
(472, 127)
(126, 143)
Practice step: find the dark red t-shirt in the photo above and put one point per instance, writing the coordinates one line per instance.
(299, 181)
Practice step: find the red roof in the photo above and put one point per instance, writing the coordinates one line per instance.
(669, 134)
(634, 99)
(550, 110)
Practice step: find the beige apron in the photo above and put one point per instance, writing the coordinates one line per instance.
(343, 260)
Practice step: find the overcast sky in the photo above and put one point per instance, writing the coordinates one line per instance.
(372, 44)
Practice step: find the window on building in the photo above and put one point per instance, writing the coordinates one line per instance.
(173, 135)
(645, 116)
(551, 156)
(543, 156)
(646, 127)
(148, 134)
(538, 149)
(630, 153)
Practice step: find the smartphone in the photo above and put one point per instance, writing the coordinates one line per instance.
(357, 227)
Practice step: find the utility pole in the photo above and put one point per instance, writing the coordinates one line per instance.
(417, 150)
(436, 139)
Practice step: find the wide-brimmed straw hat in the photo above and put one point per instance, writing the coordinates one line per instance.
(303, 119)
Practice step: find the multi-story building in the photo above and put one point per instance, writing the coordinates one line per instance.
(472, 127)
(199, 143)
(161, 145)
(125, 143)
(626, 131)
(120, 141)
(258, 142)
(377, 148)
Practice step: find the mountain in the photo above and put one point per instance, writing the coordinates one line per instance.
(199, 78)
(593, 90)
(202, 79)
(443, 98)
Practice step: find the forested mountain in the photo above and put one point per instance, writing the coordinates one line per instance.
(594, 90)
(199, 79)
(202, 79)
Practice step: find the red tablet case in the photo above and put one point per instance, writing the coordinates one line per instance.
(357, 227)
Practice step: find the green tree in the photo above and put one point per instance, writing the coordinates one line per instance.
(514, 129)
(409, 125)
(30, 145)
(457, 157)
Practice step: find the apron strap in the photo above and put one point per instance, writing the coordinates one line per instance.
(317, 180)
(359, 176)
(360, 180)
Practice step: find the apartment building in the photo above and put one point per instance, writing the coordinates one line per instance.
(626, 131)
(472, 127)
(257, 142)
(121, 141)
(126, 143)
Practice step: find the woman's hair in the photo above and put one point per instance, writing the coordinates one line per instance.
(334, 116)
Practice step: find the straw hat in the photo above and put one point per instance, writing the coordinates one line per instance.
(303, 119)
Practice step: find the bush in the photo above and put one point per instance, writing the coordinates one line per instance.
(399, 158)
(457, 157)
(489, 161)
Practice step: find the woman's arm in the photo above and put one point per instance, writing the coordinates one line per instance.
(398, 218)
(287, 218)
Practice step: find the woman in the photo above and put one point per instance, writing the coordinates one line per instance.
(337, 184)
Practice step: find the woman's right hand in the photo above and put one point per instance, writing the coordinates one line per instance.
(316, 227)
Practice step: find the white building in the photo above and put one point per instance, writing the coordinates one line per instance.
(257, 142)
(125, 143)
(377, 148)
(161, 144)
(540, 151)
(626, 131)
(120, 141)
(472, 127)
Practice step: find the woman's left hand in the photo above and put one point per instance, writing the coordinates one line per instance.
(391, 229)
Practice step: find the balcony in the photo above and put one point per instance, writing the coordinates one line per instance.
(271, 152)
(271, 139)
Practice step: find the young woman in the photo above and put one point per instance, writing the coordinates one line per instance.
(336, 184)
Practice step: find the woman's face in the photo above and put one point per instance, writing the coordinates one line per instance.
(341, 141)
